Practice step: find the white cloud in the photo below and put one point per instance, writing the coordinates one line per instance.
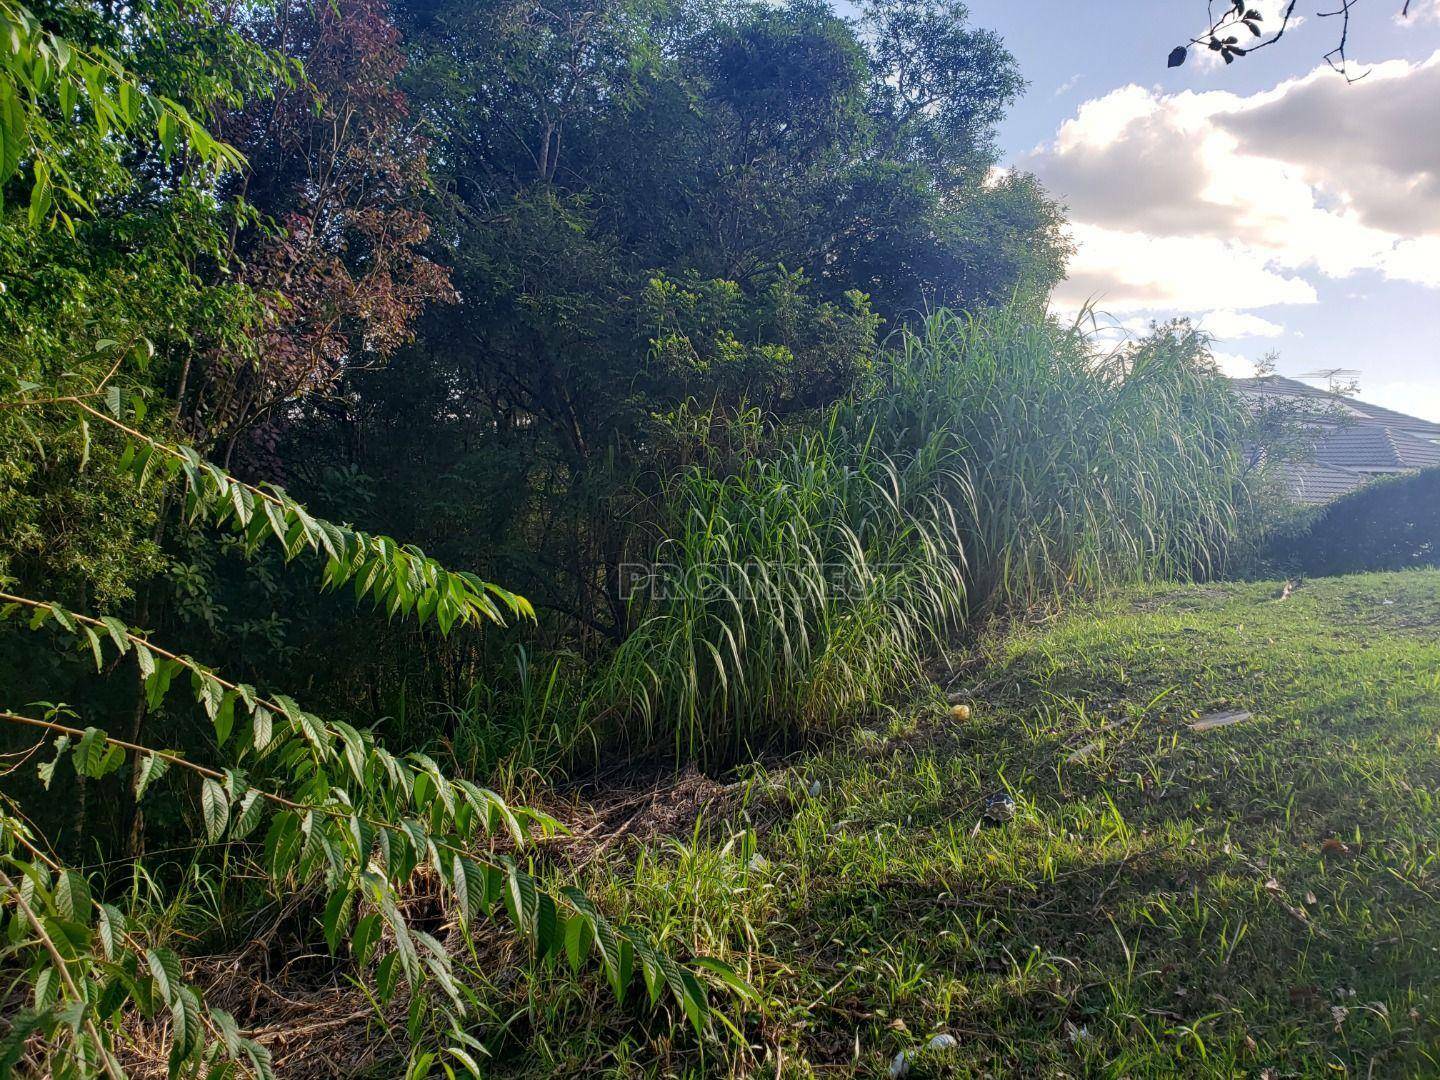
(1238, 324)
(1415, 260)
(1123, 272)
(1070, 83)
(1234, 365)
(1221, 203)
(1424, 11)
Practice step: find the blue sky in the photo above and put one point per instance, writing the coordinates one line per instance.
(1280, 206)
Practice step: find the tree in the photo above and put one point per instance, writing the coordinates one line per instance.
(335, 178)
(641, 203)
(348, 824)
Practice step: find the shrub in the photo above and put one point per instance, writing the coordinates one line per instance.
(1392, 524)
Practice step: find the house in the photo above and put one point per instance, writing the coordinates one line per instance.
(1363, 442)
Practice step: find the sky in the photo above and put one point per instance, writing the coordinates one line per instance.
(1280, 206)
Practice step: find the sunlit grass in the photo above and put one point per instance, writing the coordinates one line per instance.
(1261, 896)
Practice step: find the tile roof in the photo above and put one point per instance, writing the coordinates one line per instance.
(1366, 442)
(1370, 448)
(1313, 483)
(1361, 411)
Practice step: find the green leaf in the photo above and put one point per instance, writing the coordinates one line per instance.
(336, 917)
(110, 923)
(90, 752)
(225, 718)
(215, 805)
(148, 769)
(469, 881)
(261, 725)
(187, 1032)
(111, 760)
(229, 1031)
(547, 937)
(14, 137)
(362, 941)
(354, 749)
(260, 1059)
(579, 937)
(282, 844)
(165, 970)
(46, 771)
(522, 900)
(118, 632)
(72, 897)
(41, 197)
(252, 809)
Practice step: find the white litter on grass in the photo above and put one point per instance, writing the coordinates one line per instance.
(1220, 719)
(903, 1061)
(815, 789)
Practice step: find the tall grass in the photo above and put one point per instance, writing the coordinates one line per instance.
(1003, 460)
(1085, 466)
(804, 585)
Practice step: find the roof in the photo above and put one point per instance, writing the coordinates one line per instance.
(1313, 483)
(1370, 448)
(1364, 441)
(1362, 411)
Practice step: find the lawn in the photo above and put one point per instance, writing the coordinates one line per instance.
(1256, 899)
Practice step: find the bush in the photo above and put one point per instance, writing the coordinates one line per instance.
(1392, 524)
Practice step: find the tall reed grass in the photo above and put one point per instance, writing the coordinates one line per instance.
(1086, 466)
(802, 586)
(1002, 460)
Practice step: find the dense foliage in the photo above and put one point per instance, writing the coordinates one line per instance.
(710, 327)
(1390, 524)
(801, 574)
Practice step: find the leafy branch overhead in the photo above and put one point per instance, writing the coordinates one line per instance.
(1242, 29)
(398, 578)
(348, 821)
(47, 81)
(356, 825)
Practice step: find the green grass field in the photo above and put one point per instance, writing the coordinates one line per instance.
(1260, 899)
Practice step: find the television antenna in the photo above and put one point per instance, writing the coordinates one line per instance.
(1331, 374)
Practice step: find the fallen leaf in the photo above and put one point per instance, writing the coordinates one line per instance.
(1332, 846)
